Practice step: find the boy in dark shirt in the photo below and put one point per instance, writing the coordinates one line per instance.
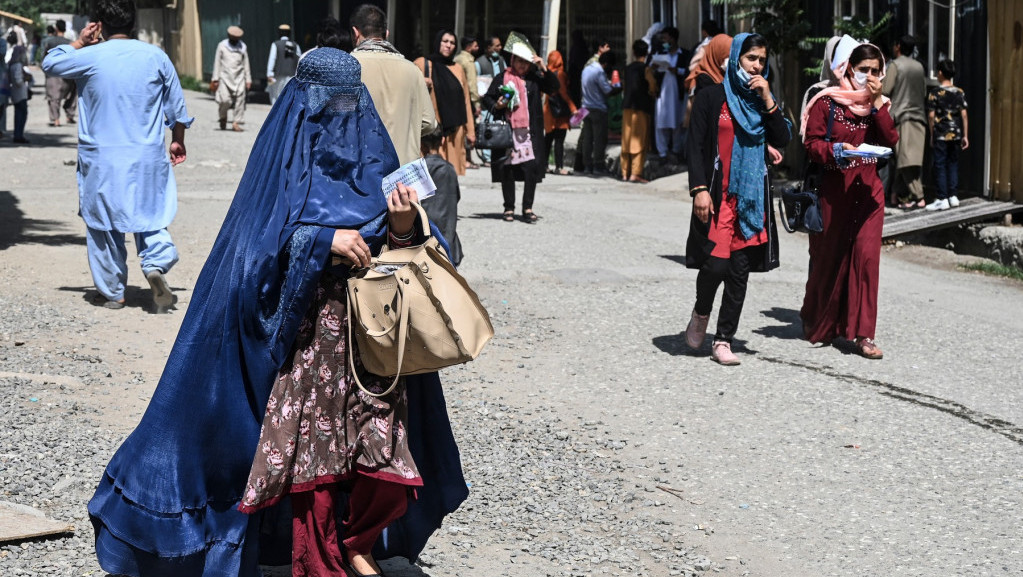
(637, 109)
(442, 208)
(945, 102)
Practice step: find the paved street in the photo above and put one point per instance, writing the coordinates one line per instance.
(595, 444)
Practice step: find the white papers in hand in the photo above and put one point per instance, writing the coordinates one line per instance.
(869, 151)
(661, 62)
(413, 175)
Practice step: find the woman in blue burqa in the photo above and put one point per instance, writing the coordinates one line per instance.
(256, 447)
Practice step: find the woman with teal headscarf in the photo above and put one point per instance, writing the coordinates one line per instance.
(732, 230)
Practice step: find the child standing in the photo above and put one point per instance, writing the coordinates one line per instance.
(442, 208)
(945, 103)
(637, 109)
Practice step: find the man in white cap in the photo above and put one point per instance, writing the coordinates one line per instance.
(282, 63)
(232, 78)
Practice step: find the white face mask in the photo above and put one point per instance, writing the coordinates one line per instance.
(859, 79)
(744, 76)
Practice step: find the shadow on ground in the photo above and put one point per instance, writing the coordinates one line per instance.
(16, 229)
(134, 297)
(791, 330)
(675, 345)
(68, 139)
(676, 258)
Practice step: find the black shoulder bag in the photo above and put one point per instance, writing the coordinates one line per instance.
(493, 133)
(800, 205)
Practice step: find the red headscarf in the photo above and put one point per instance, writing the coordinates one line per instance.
(711, 62)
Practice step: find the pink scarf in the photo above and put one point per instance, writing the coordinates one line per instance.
(522, 149)
(857, 100)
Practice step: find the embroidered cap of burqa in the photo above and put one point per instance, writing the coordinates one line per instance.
(167, 502)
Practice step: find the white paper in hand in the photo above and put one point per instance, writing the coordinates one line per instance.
(868, 151)
(414, 175)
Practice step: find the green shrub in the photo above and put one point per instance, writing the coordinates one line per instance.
(192, 83)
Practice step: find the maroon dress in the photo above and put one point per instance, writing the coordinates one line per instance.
(845, 259)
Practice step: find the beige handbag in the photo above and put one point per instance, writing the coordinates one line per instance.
(413, 313)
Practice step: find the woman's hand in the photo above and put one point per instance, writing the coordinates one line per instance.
(874, 86)
(847, 146)
(759, 85)
(502, 103)
(703, 206)
(775, 155)
(539, 63)
(349, 244)
(401, 215)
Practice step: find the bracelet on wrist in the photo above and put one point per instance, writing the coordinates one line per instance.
(403, 237)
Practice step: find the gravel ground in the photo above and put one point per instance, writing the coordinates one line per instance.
(593, 442)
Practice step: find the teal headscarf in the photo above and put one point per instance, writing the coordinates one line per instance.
(748, 168)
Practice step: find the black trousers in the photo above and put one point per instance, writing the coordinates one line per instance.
(557, 138)
(593, 140)
(734, 273)
(508, 189)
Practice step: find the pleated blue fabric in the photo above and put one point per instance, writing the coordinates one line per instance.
(167, 502)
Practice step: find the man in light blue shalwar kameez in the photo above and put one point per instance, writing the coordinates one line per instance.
(129, 92)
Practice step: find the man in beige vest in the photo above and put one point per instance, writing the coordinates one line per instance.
(232, 78)
(398, 89)
(905, 84)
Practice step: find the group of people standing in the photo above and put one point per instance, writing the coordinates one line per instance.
(16, 81)
(925, 117)
(659, 82)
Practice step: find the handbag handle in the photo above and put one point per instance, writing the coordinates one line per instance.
(402, 323)
(423, 218)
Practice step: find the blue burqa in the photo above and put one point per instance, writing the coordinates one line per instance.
(167, 502)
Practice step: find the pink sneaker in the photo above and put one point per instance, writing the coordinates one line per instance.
(697, 330)
(721, 353)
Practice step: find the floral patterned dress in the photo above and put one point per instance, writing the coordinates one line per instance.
(320, 427)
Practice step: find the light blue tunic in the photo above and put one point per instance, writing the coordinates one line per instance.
(128, 93)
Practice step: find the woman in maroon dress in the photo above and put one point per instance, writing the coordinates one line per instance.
(841, 292)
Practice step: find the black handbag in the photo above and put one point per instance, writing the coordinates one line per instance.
(559, 108)
(493, 133)
(800, 205)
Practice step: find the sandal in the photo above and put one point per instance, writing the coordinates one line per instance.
(529, 216)
(509, 216)
(868, 349)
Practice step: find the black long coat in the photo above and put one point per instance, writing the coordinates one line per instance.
(703, 171)
(536, 82)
